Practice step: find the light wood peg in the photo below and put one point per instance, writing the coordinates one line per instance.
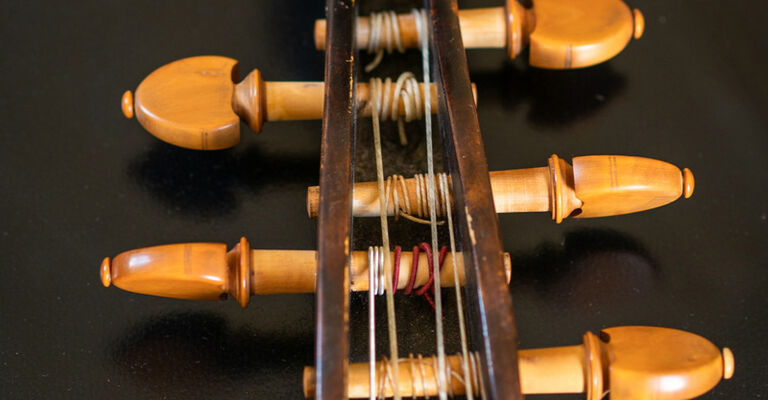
(561, 34)
(594, 186)
(195, 102)
(630, 363)
(207, 271)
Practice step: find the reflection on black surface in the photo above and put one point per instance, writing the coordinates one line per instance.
(185, 351)
(590, 264)
(554, 97)
(205, 183)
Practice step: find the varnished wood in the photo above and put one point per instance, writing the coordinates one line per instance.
(561, 33)
(613, 185)
(189, 103)
(490, 315)
(631, 363)
(729, 363)
(126, 104)
(639, 27)
(207, 271)
(194, 102)
(334, 220)
(595, 186)
(487, 27)
(688, 183)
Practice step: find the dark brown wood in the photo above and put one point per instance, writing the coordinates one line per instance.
(490, 311)
(335, 213)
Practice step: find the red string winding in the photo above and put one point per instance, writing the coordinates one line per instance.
(396, 269)
(429, 286)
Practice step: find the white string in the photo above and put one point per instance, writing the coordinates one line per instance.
(383, 23)
(423, 376)
(392, 328)
(459, 304)
(422, 23)
(386, 375)
(419, 379)
(380, 271)
(385, 102)
(372, 287)
(413, 212)
(408, 92)
(479, 376)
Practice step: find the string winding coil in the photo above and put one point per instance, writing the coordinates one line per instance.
(421, 380)
(407, 91)
(396, 188)
(384, 25)
(376, 263)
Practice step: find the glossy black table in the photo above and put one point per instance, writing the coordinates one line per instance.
(79, 182)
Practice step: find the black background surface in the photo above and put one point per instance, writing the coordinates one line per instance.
(79, 182)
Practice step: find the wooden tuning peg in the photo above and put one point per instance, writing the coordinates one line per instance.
(630, 363)
(595, 186)
(199, 271)
(194, 102)
(562, 34)
(207, 271)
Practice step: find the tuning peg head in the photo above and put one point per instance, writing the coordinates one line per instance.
(194, 103)
(565, 34)
(615, 185)
(194, 271)
(645, 362)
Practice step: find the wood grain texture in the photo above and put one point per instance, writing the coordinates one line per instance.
(334, 220)
(207, 271)
(194, 102)
(183, 271)
(613, 185)
(633, 363)
(491, 317)
(562, 34)
(189, 103)
(141, 191)
(482, 27)
(578, 33)
(595, 186)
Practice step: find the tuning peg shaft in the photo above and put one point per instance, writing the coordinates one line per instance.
(562, 33)
(631, 362)
(595, 186)
(207, 271)
(194, 102)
